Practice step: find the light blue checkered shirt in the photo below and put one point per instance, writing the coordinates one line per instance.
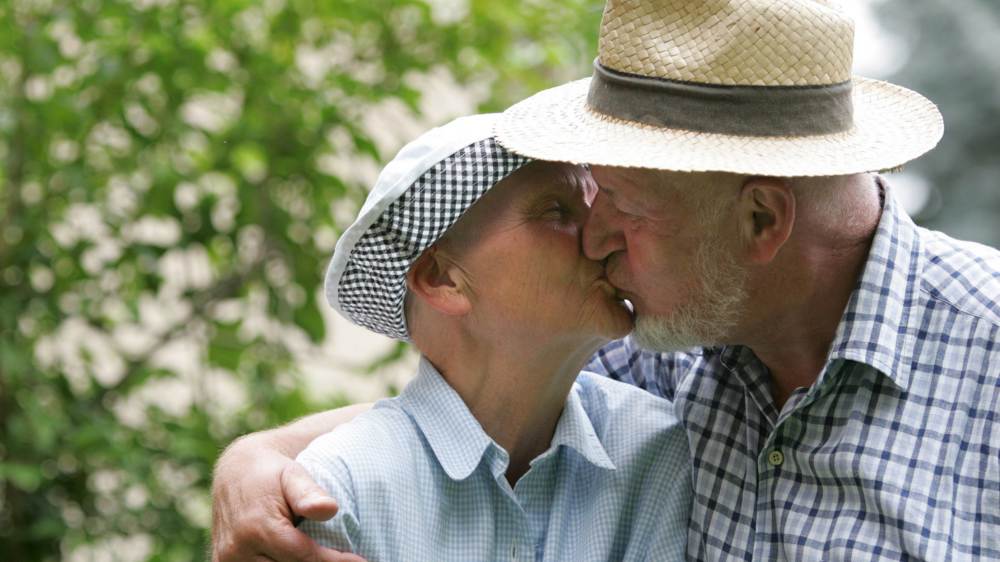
(417, 478)
(894, 452)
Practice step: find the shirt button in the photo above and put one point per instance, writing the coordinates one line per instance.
(775, 457)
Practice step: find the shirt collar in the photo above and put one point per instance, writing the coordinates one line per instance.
(453, 433)
(576, 431)
(874, 328)
(459, 441)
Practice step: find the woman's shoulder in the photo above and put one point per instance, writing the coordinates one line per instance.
(618, 398)
(628, 419)
(381, 470)
(376, 444)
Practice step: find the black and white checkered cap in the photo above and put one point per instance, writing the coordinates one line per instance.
(419, 195)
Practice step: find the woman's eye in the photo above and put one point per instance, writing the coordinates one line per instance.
(552, 208)
(559, 210)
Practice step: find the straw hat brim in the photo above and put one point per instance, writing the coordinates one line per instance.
(892, 125)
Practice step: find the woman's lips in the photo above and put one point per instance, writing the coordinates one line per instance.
(606, 286)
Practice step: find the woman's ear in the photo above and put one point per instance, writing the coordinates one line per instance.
(439, 282)
(766, 215)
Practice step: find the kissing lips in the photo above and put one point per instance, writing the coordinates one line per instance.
(617, 294)
(606, 286)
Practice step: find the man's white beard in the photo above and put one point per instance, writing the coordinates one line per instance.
(709, 316)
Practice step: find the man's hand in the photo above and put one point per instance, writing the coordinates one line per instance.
(257, 492)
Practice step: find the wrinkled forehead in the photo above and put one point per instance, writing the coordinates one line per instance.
(613, 178)
(664, 187)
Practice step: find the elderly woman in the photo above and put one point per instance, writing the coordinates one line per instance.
(500, 448)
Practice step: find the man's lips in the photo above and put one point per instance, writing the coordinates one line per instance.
(618, 290)
(613, 291)
(620, 294)
(609, 272)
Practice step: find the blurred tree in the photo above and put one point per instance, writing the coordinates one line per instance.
(170, 171)
(953, 61)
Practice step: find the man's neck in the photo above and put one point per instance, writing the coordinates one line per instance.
(797, 344)
(800, 321)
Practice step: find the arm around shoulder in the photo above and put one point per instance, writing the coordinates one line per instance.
(332, 474)
(258, 489)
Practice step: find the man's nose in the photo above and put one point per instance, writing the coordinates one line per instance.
(602, 231)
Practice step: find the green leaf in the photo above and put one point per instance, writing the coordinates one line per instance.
(225, 355)
(26, 478)
(309, 318)
(226, 348)
(251, 162)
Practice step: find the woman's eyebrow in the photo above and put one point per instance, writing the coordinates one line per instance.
(562, 186)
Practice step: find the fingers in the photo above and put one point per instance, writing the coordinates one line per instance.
(255, 497)
(292, 545)
(342, 557)
(304, 496)
(267, 534)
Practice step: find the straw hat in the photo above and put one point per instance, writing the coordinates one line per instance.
(745, 86)
(418, 196)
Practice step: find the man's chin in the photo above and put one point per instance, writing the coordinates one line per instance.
(660, 335)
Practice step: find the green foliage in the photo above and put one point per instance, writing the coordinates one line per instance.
(166, 190)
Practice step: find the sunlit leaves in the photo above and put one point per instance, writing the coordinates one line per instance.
(173, 175)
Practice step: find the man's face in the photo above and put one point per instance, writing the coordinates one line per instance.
(673, 260)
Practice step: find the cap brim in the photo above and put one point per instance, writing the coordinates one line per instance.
(892, 125)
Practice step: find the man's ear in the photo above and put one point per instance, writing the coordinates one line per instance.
(436, 280)
(767, 215)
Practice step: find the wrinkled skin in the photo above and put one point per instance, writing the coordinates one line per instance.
(258, 489)
(256, 493)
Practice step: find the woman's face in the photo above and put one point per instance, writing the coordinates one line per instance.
(520, 253)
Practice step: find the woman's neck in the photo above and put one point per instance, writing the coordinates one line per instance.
(517, 395)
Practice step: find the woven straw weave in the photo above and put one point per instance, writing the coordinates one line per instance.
(892, 126)
(729, 42)
(732, 43)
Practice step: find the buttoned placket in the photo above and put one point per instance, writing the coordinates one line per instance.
(535, 491)
(521, 545)
(773, 459)
(515, 534)
(518, 536)
(769, 461)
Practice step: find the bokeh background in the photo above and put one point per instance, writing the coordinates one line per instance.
(174, 175)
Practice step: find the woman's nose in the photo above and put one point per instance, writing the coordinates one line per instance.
(602, 231)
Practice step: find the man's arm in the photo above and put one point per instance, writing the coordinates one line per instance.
(258, 489)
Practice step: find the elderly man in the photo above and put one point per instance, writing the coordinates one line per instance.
(836, 368)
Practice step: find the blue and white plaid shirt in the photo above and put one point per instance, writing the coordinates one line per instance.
(417, 478)
(894, 452)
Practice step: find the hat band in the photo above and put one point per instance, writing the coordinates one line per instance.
(709, 108)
